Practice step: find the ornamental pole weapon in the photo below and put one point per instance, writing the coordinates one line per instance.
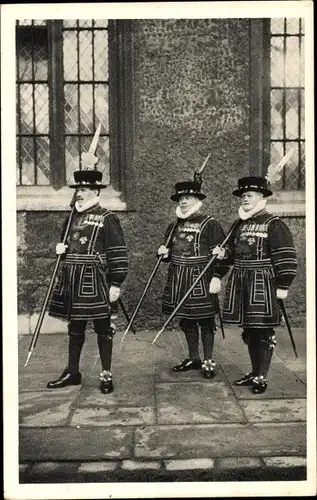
(191, 288)
(288, 325)
(89, 159)
(50, 287)
(197, 178)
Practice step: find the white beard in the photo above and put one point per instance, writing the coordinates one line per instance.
(247, 215)
(89, 203)
(191, 211)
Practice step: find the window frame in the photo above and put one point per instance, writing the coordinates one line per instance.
(284, 203)
(118, 195)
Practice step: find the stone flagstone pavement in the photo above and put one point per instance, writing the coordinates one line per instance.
(158, 425)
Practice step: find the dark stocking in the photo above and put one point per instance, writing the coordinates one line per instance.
(75, 346)
(190, 328)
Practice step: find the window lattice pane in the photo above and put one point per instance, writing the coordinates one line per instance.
(69, 23)
(277, 62)
(277, 25)
(292, 62)
(104, 158)
(43, 160)
(72, 157)
(26, 108)
(41, 108)
(85, 55)
(71, 108)
(101, 55)
(292, 25)
(69, 59)
(276, 114)
(287, 100)
(85, 23)
(27, 160)
(101, 105)
(86, 109)
(100, 23)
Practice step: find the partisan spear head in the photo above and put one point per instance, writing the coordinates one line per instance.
(198, 175)
(89, 159)
(274, 171)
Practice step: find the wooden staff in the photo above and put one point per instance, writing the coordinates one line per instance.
(50, 287)
(159, 259)
(191, 288)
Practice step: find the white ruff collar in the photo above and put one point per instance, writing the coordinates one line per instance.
(89, 203)
(247, 215)
(191, 211)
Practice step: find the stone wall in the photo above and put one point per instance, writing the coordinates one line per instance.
(191, 97)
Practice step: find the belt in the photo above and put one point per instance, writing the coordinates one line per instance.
(77, 258)
(252, 264)
(189, 261)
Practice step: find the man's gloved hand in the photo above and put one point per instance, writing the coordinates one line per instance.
(220, 252)
(281, 294)
(163, 250)
(60, 248)
(114, 293)
(215, 285)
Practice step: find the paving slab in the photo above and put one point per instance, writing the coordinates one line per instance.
(135, 465)
(275, 410)
(64, 443)
(36, 382)
(197, 441)
(189, 464)
(97, 416)
(282, 383)
(196, 403)
(239, 463)
(164, 373)
(133, 390)
(41, 409)
(97, 466)
(285, 461)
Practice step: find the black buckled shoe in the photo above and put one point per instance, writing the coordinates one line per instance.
(65, 379)
(259, 385)
(187, 364)
(245, 380)
(208, 368)
(106, 384)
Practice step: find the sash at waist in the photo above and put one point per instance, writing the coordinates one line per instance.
(252, 264)
(179, 260)
(77, 258)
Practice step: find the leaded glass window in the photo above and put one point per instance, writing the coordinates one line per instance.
(83, 92)
(287, 99)
(85, 56)
(33, 139)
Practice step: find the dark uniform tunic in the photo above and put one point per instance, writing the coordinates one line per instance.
(191, 248)
(263, 255)
(80, 292)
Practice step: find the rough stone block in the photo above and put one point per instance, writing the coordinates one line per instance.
(40, 409)
(62, 443)
(97, 466)
(197, 403)
(285, 461)
(100, 416)
(229, 440)
(134, 465)
(275, 410)
(239, 463)
(194, 463)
